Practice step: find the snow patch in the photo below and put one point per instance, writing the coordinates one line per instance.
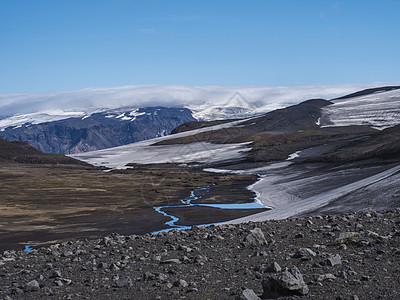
(294, 155)
(135, 113)
(37, 118)
(284, 210)
(145, 153)
(379, 111)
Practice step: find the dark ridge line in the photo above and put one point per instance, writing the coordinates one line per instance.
(369, 91)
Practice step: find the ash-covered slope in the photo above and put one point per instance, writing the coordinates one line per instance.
(99, 130)
(378, 108)
(383, 144)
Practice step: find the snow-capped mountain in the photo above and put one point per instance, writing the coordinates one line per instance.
(206, 102)
(84, 132)
(98, 118)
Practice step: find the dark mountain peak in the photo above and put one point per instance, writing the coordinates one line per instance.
(316, 102)
(369, 91)
(302, 116)
(311, 106)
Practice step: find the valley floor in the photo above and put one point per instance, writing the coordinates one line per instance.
(42, 204)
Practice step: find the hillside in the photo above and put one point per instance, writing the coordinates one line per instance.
(383, 144)
(22, 152)
(275, 135)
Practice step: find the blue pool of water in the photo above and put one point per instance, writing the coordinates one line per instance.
(28, 248)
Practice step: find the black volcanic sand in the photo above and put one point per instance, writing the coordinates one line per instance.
(350, 256)
(52, 203)
(207, 215)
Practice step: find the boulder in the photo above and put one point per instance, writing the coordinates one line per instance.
(255, 238)
(287, 283)
(32, 286)
(304, 253)
(247, 294)
(273, 268)
(123, 282)
(334, 260)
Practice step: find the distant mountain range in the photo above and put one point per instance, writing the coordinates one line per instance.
(94, 128)
(100, 130)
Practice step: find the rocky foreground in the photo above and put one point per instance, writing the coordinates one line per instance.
(352, 256)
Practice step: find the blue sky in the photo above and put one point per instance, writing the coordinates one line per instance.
(63, 45)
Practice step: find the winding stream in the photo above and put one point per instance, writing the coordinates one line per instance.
(187, 202)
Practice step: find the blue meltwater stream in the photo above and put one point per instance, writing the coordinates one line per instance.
(187, 202)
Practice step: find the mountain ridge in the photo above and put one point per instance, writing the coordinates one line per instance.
(100, 130)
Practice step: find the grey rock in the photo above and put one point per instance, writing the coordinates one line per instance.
(58, 283)
(162, 277)
(193, 290)
(326, 277)
(274, 268)
(299, 235)
(364, 278)
(123, 282)
(378, 238)
(359, 227)
(346, 236)
(247, 294)
(201, 259)
(287, 283)
(255, 238)
(169, 285)
(114, 267)
(32, 286)
(149, 276)
(56, 274)
(334, 260)
(66, 281)
(17, 291)
(102, 265)
(304, 253)
(181, 283)
(171, 261)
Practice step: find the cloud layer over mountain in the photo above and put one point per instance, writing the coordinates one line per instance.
(260, 98)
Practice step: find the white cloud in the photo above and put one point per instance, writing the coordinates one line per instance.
(266, 97)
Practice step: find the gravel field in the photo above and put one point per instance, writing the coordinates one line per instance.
(351, 256)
